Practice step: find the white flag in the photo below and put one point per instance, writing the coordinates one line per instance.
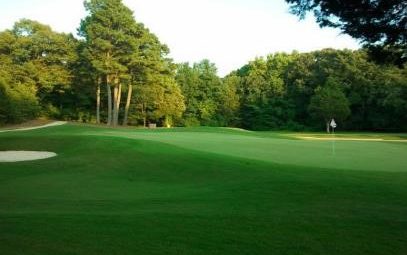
(333, 123)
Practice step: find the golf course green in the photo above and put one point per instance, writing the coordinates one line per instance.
(202, 191)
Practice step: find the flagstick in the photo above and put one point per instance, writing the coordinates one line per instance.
(333, 125)
(333, 141)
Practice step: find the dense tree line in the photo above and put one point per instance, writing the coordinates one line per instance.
(36, 72)
(44, 73)
(117, 72)
(303, 90)
(299, 91)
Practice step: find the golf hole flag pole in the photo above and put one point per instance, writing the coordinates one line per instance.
(333, 125)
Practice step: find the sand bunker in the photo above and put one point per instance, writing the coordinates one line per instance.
(15, 156)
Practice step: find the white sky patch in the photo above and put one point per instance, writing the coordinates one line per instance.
(227, 32)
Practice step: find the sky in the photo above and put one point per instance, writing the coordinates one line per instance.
(227, 32)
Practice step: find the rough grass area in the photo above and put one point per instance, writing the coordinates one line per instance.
(200, 191)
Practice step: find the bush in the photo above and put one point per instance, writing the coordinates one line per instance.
(191, 122)
(18, 103)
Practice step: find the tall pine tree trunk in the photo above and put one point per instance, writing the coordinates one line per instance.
(115, 92)
(143, 113)
(119, 96)
(116, 101)
(109, 102)
(126, 109)
(99, 81)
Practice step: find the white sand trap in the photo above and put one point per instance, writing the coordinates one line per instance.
(15, 156)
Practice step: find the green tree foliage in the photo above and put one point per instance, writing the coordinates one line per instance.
(18, 102)
(110, 32)
(158, 100)
(380, 24)
(38, 62)
(228, 110)
(122, 68)
(202, 88)
(125, 54)
(263, 93)
(276, 92)
(328, 103)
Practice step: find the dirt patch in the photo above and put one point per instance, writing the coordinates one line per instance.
(15, 156)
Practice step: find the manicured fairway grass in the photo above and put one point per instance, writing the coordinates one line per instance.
(201, 191)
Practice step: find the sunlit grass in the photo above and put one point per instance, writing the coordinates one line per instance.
(200, 191)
